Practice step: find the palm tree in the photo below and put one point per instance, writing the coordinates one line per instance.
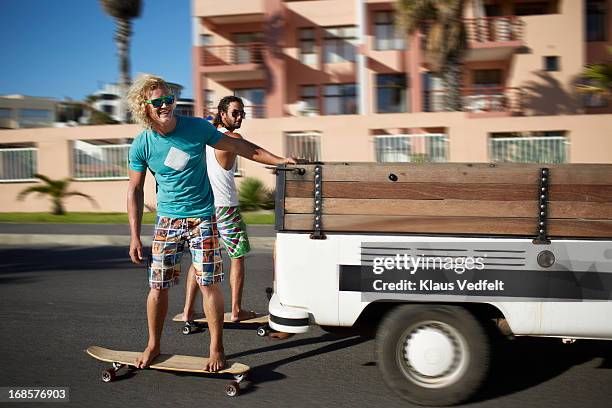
(123, 11)
(599, 77)
(446, 42)
(57, 190)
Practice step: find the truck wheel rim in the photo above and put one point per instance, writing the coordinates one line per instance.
(432, 354)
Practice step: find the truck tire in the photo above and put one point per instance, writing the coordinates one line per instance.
(432, 354)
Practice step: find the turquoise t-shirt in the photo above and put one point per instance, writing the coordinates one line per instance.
(178, 161)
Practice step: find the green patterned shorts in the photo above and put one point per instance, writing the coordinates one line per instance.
(232, 231)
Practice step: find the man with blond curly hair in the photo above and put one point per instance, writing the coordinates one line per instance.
(174, 149)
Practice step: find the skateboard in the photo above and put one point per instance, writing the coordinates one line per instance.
(200, 322)
(168, 362)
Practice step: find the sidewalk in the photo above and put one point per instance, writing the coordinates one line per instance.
(260, 236)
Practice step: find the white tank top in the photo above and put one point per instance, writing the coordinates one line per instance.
(221, 180)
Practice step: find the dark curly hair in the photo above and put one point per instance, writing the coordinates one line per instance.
(224, 104)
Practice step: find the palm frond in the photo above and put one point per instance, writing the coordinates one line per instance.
(88, 197)
(122, 9)
(34, 189)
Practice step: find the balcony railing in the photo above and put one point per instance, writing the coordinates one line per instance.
(234, 54)
(18, 164)
(544, 149)
(493, 29)
(99, 162)
(485, 30)
(479, 100)
(252, 111)
(425, 148)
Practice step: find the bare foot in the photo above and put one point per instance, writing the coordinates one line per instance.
(187, 317)
(281, 335)
(216, 362)
(243, 315)
(147, 356)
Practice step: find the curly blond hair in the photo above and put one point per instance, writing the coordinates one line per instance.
(138, 95)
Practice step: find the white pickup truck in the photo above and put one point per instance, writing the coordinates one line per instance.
(440, 257)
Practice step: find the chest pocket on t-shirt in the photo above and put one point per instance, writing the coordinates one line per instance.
(176, 159)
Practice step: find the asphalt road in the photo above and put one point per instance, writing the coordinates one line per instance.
(57, 301)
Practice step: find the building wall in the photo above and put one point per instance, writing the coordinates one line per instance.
(343, 138)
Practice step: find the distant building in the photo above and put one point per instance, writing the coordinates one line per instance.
(108, 100)
(20, 111)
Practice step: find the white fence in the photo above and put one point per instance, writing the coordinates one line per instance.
(412, 148)
(18, 164)
(544, 149)
(99, 162)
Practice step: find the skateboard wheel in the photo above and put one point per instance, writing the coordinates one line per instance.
(262, 331)
(117, 366)
(186, 330)
(232, 389)
(240, 377)
(108, 375)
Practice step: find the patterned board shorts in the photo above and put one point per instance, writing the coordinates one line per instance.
(232, 231)
(169, 239)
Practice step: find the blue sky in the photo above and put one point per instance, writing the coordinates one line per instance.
(65, 48)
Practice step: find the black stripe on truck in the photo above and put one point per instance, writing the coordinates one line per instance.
(288, 322)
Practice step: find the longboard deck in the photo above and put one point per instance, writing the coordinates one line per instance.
(168, 362)
(227, 319)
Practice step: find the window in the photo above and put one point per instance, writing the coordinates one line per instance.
(308, 53)
(108, 97)
(551, 63)
(534, 8)
(390, 93)
(596, 16)
(310, 99)
(254, 100)
(340, 99)
(18, 162)
(35, 117)
(385, 35)
(205, 39)
(340, 44)
(417, 148)
(246, 52)
(5, 113)
(209, 104)
(487, 78)
(100, 159)
(529, 147)
(593, 100)
(306, 145)
(109, 109)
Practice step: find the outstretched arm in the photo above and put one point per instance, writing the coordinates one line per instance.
(250, 151)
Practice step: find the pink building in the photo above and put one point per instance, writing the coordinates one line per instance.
(331, 80)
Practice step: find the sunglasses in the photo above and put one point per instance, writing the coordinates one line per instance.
(158, 102)
(237, 113)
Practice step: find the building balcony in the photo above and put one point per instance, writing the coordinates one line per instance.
(477, 102)
(230, 11)
(492, 38)
(233, 62)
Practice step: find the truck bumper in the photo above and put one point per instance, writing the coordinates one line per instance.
(287, 319)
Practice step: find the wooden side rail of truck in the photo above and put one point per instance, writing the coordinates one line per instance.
(355, 241)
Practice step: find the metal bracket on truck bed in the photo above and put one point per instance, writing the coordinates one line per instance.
(318, 204)
(542, 238)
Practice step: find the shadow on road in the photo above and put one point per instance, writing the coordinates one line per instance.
(16, 260)
(526, 362)
(265, 373)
